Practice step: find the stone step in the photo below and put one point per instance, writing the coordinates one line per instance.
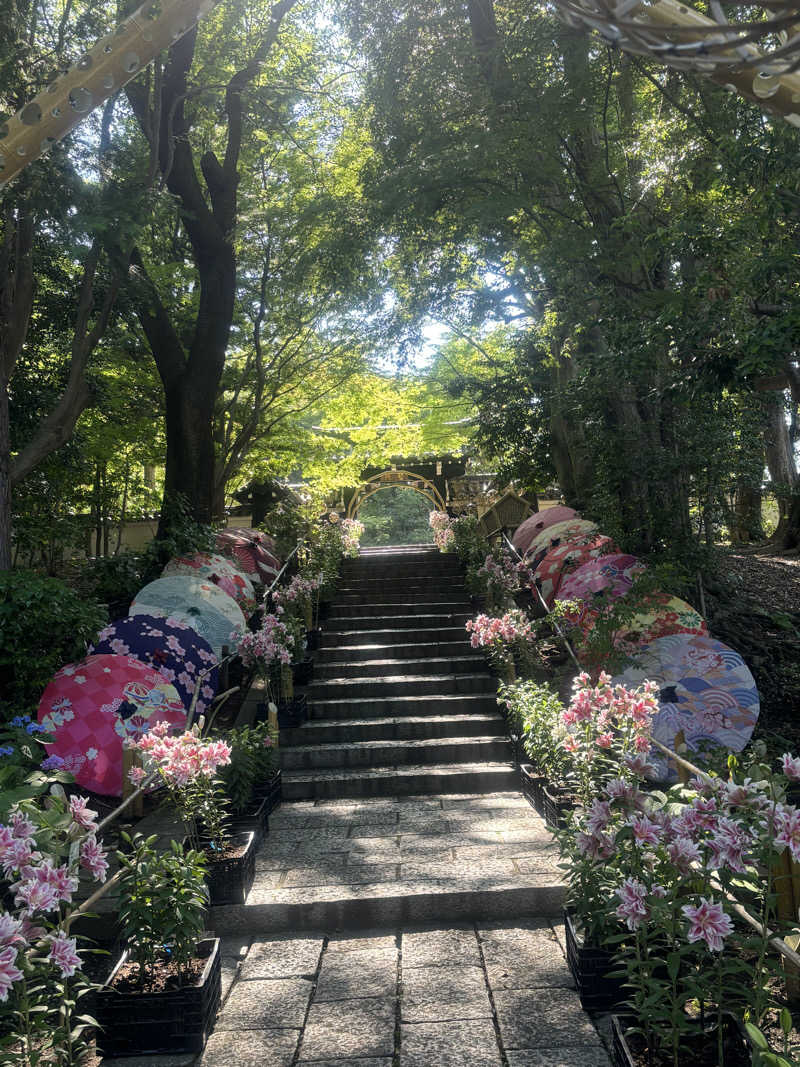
(354, 638)
(398, 621)
(402, 753)
(405, 728)
(391, 598)
(380, 586)
(401, 707)
(379, 668)
(403, 780)
(399, 685)
(400, 607)
(374, 650)
(399, 569)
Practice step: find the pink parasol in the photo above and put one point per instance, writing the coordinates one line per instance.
(252, 550)
(565, 558)
(219, 570)
(89, 707)
(557, 534)
(598, 583)
(533, 526)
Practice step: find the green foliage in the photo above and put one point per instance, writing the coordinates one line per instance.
(114, 580)
(253, 762)
(163, 900)
(534, 712)
(43, 626)
(395, 516)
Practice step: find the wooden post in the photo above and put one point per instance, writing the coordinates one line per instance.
(130, 759)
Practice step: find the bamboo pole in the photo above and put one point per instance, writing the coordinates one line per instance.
(102, 71)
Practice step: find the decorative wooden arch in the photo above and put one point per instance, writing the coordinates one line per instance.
(389, 479)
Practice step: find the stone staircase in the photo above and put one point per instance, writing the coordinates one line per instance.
(400, 703)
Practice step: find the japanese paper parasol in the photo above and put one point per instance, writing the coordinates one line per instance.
(252, 551)
(565, 559)
(706, 692)
(201, 604)
(219, 570)
(557, 534)
(662, 615)
(533, 526)
(601, 579)
(169, 646)
(89, 707)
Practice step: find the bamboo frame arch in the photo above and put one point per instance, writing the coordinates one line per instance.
(392, 479)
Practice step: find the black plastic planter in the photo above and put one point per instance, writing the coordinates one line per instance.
(158, 1024)
(737, 1048)
(271, 792)
(229, 881)
(303, 671)
(313, 639)
(531, 786)
(256, 821)
(555, 807)
(590, 966)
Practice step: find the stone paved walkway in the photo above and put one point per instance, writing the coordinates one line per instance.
(387, 860)
(486, 995)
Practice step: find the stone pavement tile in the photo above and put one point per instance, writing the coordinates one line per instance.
(265, 1005)
(370, 941)
(283, 958)
(339, 875)
(354, 1029)
(464, 1043)
(534, 862)
(370, 1061)
(478, 852)
(371, 818)
(490, 800)
(435, 994)
(230, 969)
(557, 1057)
(468, 873)
(236, 946)
(521, 958)
(185, 1059)
(543, 1018)
(355, 975)
(440, 948)
(250, 1048)
(269, 879)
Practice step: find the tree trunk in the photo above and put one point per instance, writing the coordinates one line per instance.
(190, 451)
(782, 472)
(5, 480)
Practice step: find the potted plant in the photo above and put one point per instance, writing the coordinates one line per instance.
(537, 710)
(163, 994)
(252, 759)
(500, 636)
(46, 841)
(187, 765)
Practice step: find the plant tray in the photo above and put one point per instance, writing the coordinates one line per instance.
(230, 881)
(589, 966)
(738, 1052)
(256, 821)
(155, 1024)
(271, 791)
(555, 808)
(531, 786)
(303, 671)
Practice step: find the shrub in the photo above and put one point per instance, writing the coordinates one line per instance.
(43, 625)
(114, 580)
